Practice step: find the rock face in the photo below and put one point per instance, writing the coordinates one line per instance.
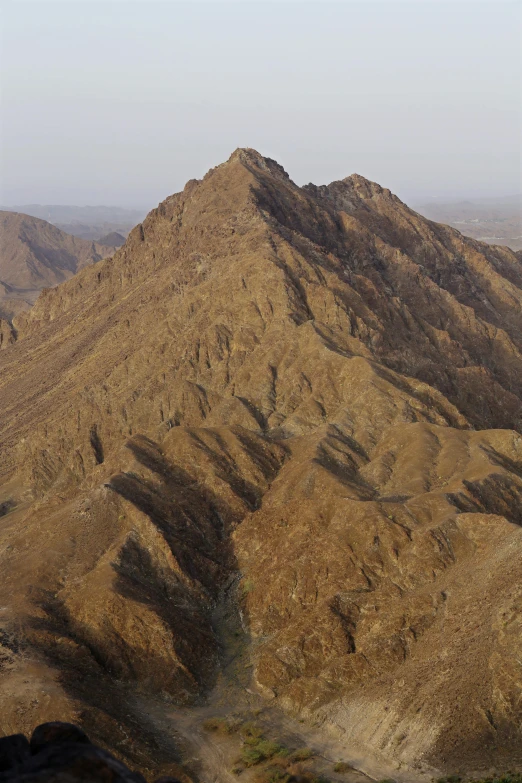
(36, 255)
(314, 391)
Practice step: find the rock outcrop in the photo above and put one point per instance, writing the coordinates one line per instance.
(306, 398)
(63, 753)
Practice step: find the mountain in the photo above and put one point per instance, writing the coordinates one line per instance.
(36, 255)
(113, 239)
(88, 222)
(61, 213)
(270, 450)
(96, 231)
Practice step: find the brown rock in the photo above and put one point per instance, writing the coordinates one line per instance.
(312, 389)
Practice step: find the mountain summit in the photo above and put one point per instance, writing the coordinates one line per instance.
(284, 416)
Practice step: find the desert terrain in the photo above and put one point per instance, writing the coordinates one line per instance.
(261, 481)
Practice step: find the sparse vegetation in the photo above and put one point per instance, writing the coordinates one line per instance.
(342, 767)
(221, 725)
(251, 730)
(274, 762)
(301, 754)
(272, 774)
(257, 749)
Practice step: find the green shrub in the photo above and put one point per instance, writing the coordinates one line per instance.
(274, 775)
(250, 755)
(270, 749)
(257, 749)
(251, 731)
(342, 767)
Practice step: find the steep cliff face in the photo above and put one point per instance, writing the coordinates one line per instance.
(314, 391)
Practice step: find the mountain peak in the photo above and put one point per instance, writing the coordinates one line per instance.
(360, 182)
(366, 188)
(253, 159)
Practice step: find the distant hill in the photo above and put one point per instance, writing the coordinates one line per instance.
(36, 255)
(497, 221)
(62, 213)
(84, 222)
(96, 231)
(114, 239)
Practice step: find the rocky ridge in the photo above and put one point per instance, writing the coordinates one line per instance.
(308, 399)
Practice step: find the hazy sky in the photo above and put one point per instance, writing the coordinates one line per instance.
(121, 102)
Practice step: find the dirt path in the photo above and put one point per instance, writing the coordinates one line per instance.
(208, 757)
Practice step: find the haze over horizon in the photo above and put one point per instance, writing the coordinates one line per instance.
(122, 104)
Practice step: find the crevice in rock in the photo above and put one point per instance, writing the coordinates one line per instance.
(97, 445)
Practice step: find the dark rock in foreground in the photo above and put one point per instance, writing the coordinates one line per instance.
(62, 753)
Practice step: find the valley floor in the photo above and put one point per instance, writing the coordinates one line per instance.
(211, 756)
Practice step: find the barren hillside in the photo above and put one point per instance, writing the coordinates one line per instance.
(304, 404)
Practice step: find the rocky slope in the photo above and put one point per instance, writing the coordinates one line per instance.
(35, 255)
(305, 401)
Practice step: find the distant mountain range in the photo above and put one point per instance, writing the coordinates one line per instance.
(59, 213)
(85, 222)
